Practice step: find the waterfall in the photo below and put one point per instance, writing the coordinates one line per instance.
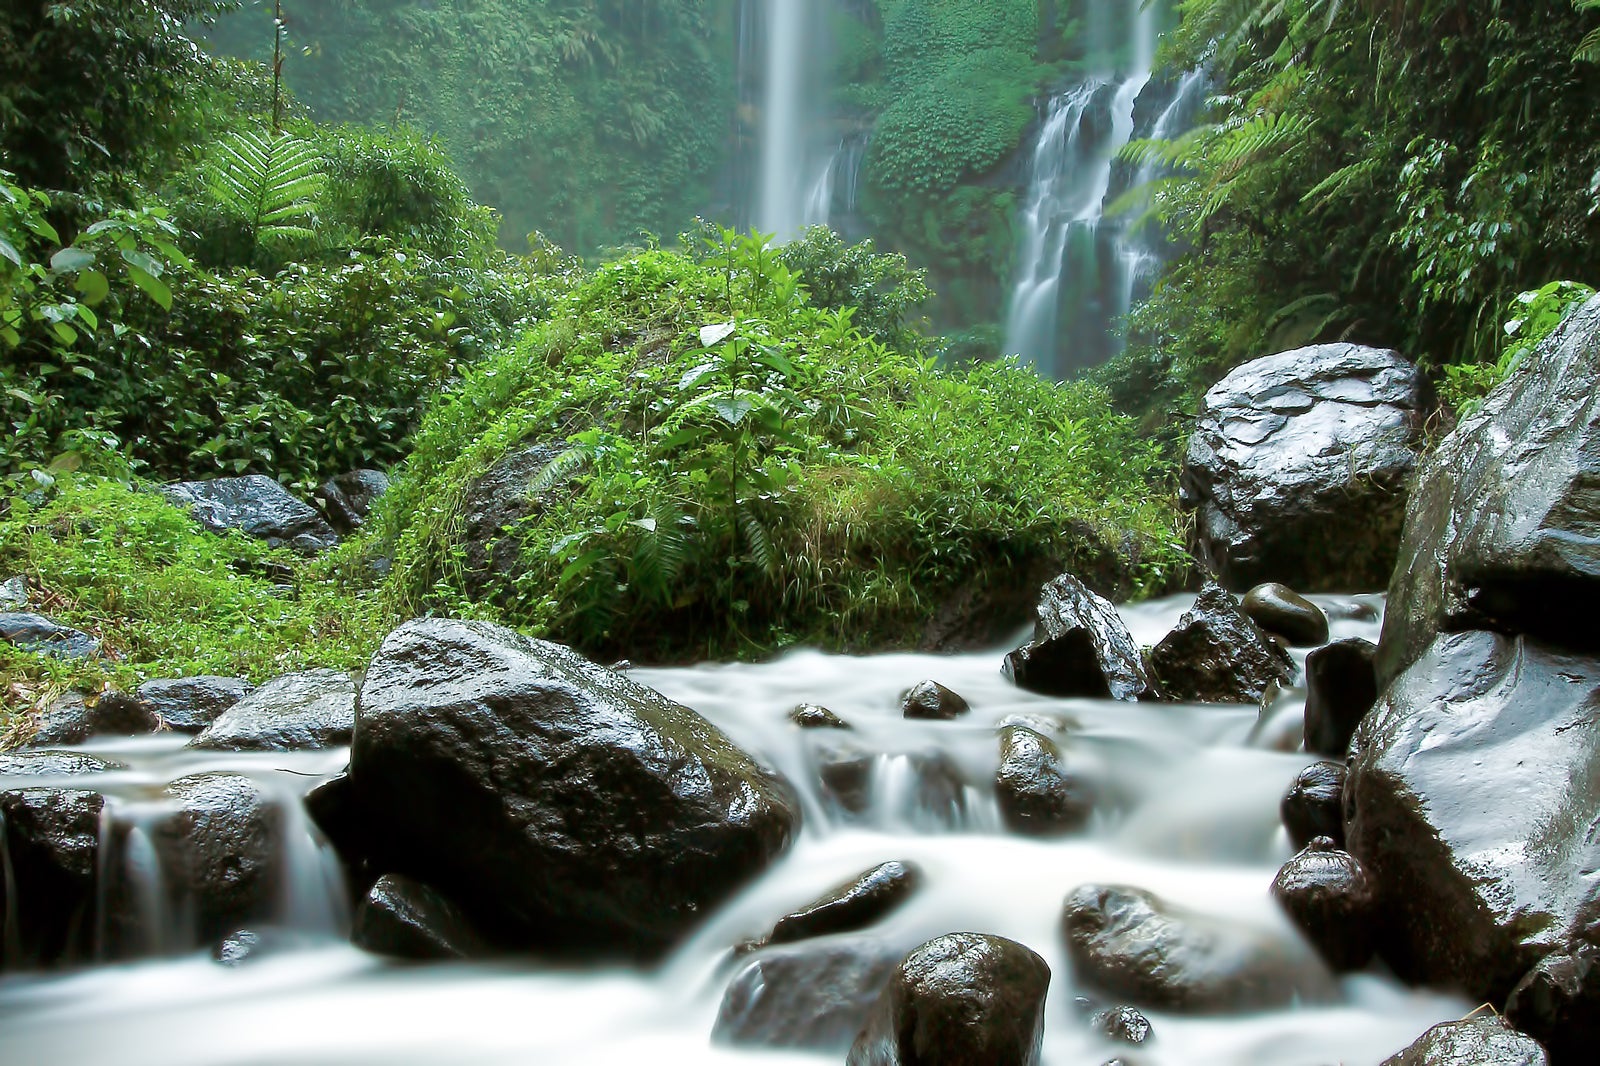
(781, 208)
(1071, 257)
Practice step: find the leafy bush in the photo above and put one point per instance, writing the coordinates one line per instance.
(742, 469)
(1531, 317)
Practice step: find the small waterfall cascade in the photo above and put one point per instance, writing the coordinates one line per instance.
(1072, 270)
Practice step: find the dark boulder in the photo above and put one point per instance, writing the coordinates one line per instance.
(1472, 799)
(38, 634)
(114, 713)
(52, 862)
(347, 500)
(72, 718)
(406, 919)
(1216, 654)
(189, 704)
(1558, 1004)
(1281, 610)
(1126, 942)
(815, 996)
(963, 999)
(1314, 805)
(1501, 532)
(295, 712)
(1035, 792)
(1297, 468)
(811, 716)
(1080, 647)
(853, 905)
(1123, 1025)
(929, 699)
(54, 764)
(1330, 897)
(257, 506)
(491, 510)
(1341, 687)
(1480, 1041)
(561, 805)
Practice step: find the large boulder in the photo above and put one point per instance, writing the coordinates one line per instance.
(311, 709)
(1280, 610)
(1481, 1041)
(72, 718)
(257, 506)
(52, 861)
(814, 996)
(189, 704)
(1298, 464)
(562, 805)
(1501, 532)
(492, 508)
(1474, 800)
(1035, 792)
(1080, 647)
(963, 999)
(1128, 943)
(1216, 654)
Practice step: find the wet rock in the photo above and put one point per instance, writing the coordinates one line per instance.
(1036, 794)
(845, 772)
(811, 716)
(406, 919)
(14, 594)
(1298, 464)
(492, 508)
(72, 718)
(1500, 533)
(1341, 687)
(1281, 610)
(52, 843)
(1051, 725)
(38, 634)
(1129, 944)
(816, 996)
(189, 704)
(1216, 654)
(1472, 799)
(929, 699)
(295, 712)
(346, 500)
(1121, 1024)
(257, 506)
(1080, 647)
(45, 764)
(1330, 897)
(114, 713)
(252, 945)
(1558, 1004)
(561, 805)
(1481, 1041)
(853, 905)
(937, 791)
(1314, 805)
(959, 1000)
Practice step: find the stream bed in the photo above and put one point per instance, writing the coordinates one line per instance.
(1189, 811)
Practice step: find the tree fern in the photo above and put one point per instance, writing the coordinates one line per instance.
(1589, 47)
(272, 182)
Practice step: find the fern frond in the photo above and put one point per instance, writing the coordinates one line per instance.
(1337, 182)
(559, 469)
(272, 180)
(759, 542)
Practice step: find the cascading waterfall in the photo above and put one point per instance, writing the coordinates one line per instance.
(782, 202)
(1071, 263)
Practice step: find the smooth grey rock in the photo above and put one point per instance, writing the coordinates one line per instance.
(36, 633)
(561, 805)
(295, 712)
(1314, 805)
(1080, 647)
(257, 506)
(1035, 792)
(189, 704)
(406, 919)
(52, 864)
(1126, 942)
(1341, 687)
(1474, 801)
(1279, 609)
(1330, 897)
(1297, 467)
(347, 500)
(1503, 529)
(929, 699)
(814, 996)
(959, 999)
(1480, 1041)
(1216, 654)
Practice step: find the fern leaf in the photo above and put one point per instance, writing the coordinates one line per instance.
(559, 469)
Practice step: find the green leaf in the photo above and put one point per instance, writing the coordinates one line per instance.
(147, 263)
(731, 410)
(93, 286)
(153, 286)
(9, 251)
(70, 260)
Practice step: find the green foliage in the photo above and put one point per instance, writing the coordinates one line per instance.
(1589, 47)
(881, 287)
(1531, 317)
(167, 598)
(741, 469)
(267, 185)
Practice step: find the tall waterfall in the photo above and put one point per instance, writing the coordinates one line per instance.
(783, 147)
(1074, 276)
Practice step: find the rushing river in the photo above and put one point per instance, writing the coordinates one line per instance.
(1193, 816)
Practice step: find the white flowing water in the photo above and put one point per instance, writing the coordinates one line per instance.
(1194, 819)
(783, 136)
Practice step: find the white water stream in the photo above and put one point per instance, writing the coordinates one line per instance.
(1195, 821)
